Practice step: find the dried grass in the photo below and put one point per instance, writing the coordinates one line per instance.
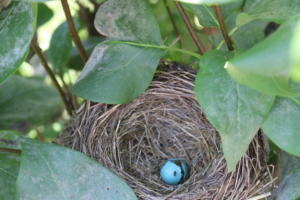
(134, 139)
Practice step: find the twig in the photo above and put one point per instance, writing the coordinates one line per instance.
(69, 95)
(173, 22)
(174, 42)
(10, 150)
(39, 135)
(39, 53)
(261, 196)
(218, 11)
(73, 31)
(190, 28)
(167, 36)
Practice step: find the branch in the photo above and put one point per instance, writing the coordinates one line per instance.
(218, 11)
(10, 150)
(173, 23)
(190, 28)
(73, 31)
(39, 53)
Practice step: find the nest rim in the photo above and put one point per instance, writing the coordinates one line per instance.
(119, 127)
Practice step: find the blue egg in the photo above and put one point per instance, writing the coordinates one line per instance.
(174, 171)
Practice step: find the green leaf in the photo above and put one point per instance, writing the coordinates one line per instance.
(50, 171)
(9, 164)
(265, 67)
(60, 47)
(26, 100)
(286, 164)
(206, 14)
(247, 36)
(44, 14)
(282, 125)
(35, 0)
(294, 53)
(207, 1)
(75, 61)
(16, 31)
(244, 36)
(272, 10)
(243, 19)
(289, 187)
(236, 111)
(116, 72)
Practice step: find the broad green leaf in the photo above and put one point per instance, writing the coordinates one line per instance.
(41, 1)
(247, 36)
(294, 53)
(60, 47)
(286, 164)
(236, 111)
(244, 36)
(289, 187)
(26, 100)
(243, 19)
(16, 31)
(44, 14)
(117, 72)
(282, 125)
(207, 1)
(265, 67)
(272, 10)
(9, 164)
(206, 14)
(50, 171)
(75, 61)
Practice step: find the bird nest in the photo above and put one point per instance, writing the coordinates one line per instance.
(134, 139)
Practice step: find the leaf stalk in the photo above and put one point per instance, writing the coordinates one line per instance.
(158, 47)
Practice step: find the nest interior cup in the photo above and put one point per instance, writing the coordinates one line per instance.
(135, 139)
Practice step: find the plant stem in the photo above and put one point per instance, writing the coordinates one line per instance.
(10, 150)
(230, 33)
(39, 53)
(39, 135)
(158, 47)
(173, 22)
(218, 11)
(190, 28)
(73, 31)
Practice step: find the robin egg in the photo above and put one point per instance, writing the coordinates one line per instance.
(174, 171)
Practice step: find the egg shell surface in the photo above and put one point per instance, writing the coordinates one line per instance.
(174, 171)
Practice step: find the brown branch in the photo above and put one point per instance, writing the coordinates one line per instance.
(47, 68)
(73, 31)
(173, 23)
(10, 150)
(218, 11)
(39, 135)
(190, 28)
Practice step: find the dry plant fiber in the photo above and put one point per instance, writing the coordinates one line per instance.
(134, 139)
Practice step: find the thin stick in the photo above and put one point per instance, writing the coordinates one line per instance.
(173, 22)
(39, 53)
(73, 31)
(218, 11)
(69, 95)
(174, 42)
(39, 135)
(190, 28)
(261, 196)
(10, 150)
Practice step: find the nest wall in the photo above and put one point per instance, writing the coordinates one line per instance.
(134, 139)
